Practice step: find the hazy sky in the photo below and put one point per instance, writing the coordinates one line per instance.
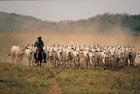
(55, 10)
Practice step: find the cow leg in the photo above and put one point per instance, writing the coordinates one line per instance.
(17, 59)
(75, 64)
(131, 62)
(126, 62)
(118, 61)
(61, 65)
(93, 63)
(69, 64)
(29, 62)
(56, 62)
(88, 64)
(103, 63)
(78, 64)
(13, 57)
(113, 64)
(106, 65)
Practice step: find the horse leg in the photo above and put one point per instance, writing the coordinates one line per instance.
(39, 63)
(42, 54)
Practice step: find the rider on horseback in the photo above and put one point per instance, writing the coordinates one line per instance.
(39, 43)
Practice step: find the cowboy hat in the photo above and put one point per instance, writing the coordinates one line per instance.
(39, 37)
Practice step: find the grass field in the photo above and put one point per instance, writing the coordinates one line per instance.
(20, 79)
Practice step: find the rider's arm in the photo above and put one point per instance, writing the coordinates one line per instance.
(42, 45)
(35, 44)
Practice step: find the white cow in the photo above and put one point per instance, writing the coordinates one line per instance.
(96, 56)
(17, 54)
(29, 54)
(132, 55)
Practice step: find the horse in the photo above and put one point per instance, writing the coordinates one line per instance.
(39, 57)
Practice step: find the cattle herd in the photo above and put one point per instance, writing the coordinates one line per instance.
(80, 56)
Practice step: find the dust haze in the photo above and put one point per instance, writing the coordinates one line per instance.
(114, 36)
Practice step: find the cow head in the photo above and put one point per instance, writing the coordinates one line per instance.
(106, 53)
(112, 52)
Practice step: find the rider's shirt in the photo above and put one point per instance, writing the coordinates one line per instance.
(39, 44)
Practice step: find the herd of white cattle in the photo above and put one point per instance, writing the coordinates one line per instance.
(77, 56)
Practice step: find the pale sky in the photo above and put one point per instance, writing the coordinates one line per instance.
(56, 10)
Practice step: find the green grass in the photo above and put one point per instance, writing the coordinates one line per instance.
(19, 79)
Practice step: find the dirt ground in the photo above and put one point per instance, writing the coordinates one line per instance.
(55, 89)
